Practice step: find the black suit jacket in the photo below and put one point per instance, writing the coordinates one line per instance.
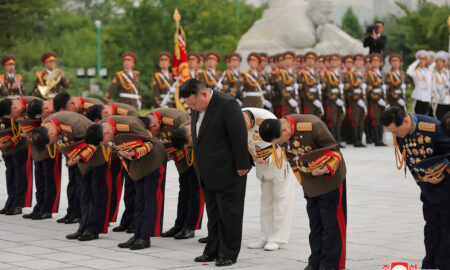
(221, 147)
(375, 45)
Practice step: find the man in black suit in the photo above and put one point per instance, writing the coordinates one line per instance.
(375, 39)
(221, 159)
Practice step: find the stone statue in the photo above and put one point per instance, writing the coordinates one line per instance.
(300, 26)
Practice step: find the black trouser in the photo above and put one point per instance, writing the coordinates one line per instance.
(422, 107)
(94, 200)
(116, 188)
(73, 192)
(190, 202)
(327, 221)
(441, 110)
(436, 212)
(149, 213)
(19, 179)
(129, 198)
(47, 179)
(225, 215)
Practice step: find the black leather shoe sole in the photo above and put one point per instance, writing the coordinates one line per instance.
(204, 258)
(73, 236)
(88, 237)
(41, 216)
(128, 243)
(119, 228)
(203, 240)
(184, 235)
(71, 220)
(225, 262)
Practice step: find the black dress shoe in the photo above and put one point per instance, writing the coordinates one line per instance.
(310, 267)
(184, 234)
(120, 228)
(128, 243)
(62, 220)
(140, 243)
(88, 236)
(203, 240)
(14, 211)
(172, 232)
(224, 262)
(74, 235)
(4, 210)
(40, 216)
(30, 215)
(204, 258)
(71, 220)
(130, 230)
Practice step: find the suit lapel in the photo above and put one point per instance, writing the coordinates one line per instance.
(208, 115)
(194, 125)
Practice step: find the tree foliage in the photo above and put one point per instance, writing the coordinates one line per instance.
(350, 24)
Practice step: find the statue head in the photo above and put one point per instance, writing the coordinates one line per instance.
(320, 11)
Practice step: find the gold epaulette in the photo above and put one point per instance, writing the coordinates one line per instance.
(39, 76)
(142, 150)
(130, 145)
(88, 152)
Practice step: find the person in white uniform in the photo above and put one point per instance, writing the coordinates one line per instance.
(421, 74)
(277, 184)
(440, 86)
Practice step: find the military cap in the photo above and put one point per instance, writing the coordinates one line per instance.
(431, 54)
(359, 56)
(395, 56)
(48, 56)
(375, 56)
(367, 59)
(272, 58)
(235, 56)
(311, 55)
(130, 56)
(193, 56)
(213, 54)
(442, 55)
(347, 58)
(321, 58)
(289, 54)
(334, 56)
(201, 55)
(299, 58)
(226, 58)
(8, 59)
(421, 54)
(254, 56)
(264, 56)
(165, 55)
(280, 57)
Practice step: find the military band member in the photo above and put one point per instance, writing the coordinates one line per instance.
(319, 166)
(311, 87)
(125, 87)
(333, 94)
(252, 83)
(287, 83)
(193, 64)
(232, 79)
(424, 149)
(11, 85)
(163, 80)
(144, 159)
(440, 85)
(277, 184)
(43, 77)
(190, 197)
(210, 76)
(397, 82)
(375, 94)
(421, 75)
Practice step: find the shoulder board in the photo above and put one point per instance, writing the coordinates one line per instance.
(65, 128)
(19, 76)
(38, 73)
(123, 127)
(259, 121)
(167, 121)
(304, 126)
(119, 73)
(425, 126)
(87, 105)
(122, 111)
(136, 72)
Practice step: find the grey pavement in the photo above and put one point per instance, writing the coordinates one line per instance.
(385, 225)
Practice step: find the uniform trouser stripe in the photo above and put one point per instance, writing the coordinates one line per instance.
(201, 207)
(342, 227)
(372, 118)
(57, 179)
(29, 165)
(159, 199)
(328, 116)
(349, 113)
(119, 185)
(108, 179)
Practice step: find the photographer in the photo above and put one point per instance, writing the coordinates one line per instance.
(375, 39)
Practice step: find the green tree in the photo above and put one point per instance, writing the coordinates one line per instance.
(351, 25)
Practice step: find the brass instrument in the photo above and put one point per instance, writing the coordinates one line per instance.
(52, 80)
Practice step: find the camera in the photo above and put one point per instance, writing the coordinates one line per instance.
(371, 28)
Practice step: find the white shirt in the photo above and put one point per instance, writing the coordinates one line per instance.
(440, 87)
(11, 76)
(422, 82)
(130, 73)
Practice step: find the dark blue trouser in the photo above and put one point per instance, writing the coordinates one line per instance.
(47, 178)
(73, 192)
(94, 200)
(129, 198)
(19, 179)
(149, 212)
(327, 221)
(190, 202)
(116, 188)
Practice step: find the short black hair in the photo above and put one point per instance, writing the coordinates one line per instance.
(394, 115)
(35, 107)
(5, 107)
(270, 129)
(445, 124)
(94, 134)
(40, 138)
(146, 121)
(179, 138)
(191, 87)
(95, 112)
(60, 101)
(379, 22)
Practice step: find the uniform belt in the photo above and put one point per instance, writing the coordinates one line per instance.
(377, 91)
(335, 91)
(290, 88)
(251, 94)
(127, 95)
(357, 91)
(12, 96)
(398, 91)
(162, 95)
(312, 90)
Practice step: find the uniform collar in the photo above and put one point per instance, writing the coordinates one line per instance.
(10, 75)
(252, 118)
(81, 104)
(112, 123)
(54, 121)
(413, 123)
(292, 123)
(158, 115)
(113, 107)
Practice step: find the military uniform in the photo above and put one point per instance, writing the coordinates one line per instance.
(424, 141)
(43, 75)
(7, 80)
(325, 194)
(210, 76)
(311, 89)
(288, 86)
(397, 82)
(422, 78)
(162, 81)
(123, 109)
(125, 85)
(440, 85)
(190, 197)
(251, 84)
(231, 83)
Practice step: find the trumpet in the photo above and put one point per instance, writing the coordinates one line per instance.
(52, 80)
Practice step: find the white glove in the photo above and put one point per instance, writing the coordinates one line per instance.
(319, 86)
(239, 102)
(339, 102)
(381, 102)
(403, 86)
(296, 86)
(219, 85)
(172, 89)
(267, 104)
(341, 86)
(317, 103)
(401, 102)
(364, 86)
(293, 102)
(361, 103)
(268, 87)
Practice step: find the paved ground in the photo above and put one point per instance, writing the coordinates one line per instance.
(384, 225)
